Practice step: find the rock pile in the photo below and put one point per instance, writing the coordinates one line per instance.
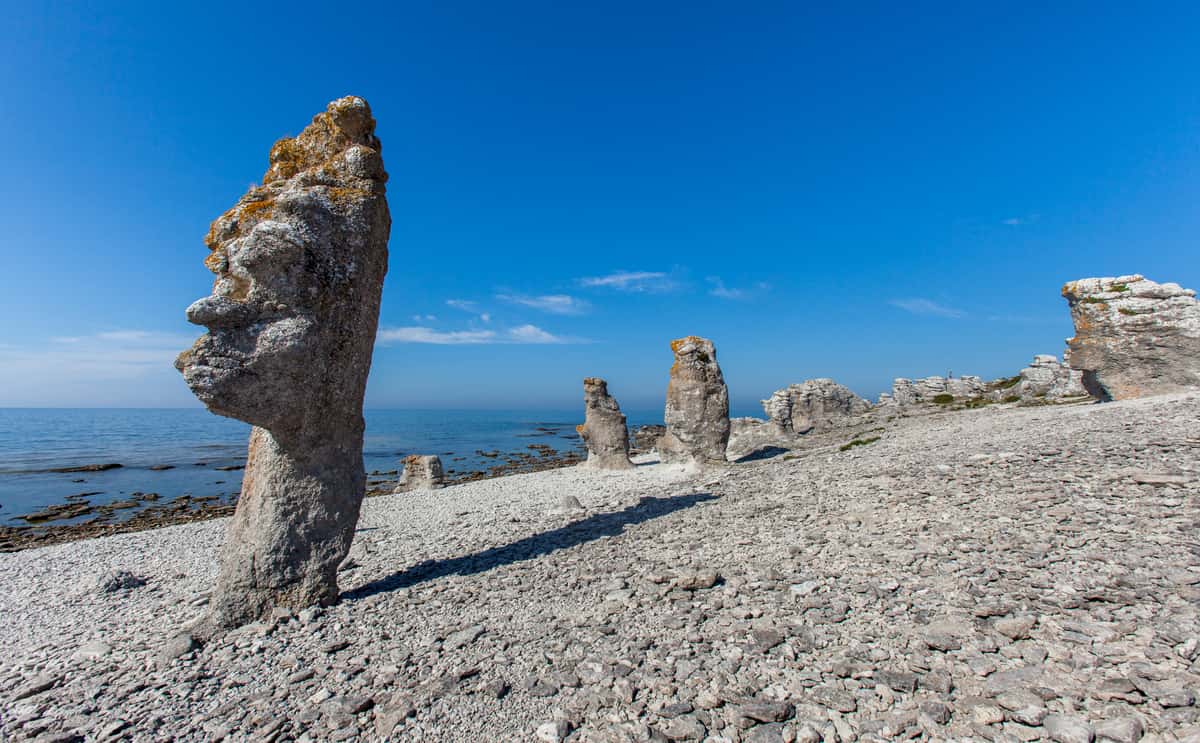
(421, 472)
(1134, 337)
(697, 411)
(932, 390)
(604, 430)
(300, 262)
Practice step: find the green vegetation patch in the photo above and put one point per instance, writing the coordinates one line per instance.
(943, 399)
(1003, 384)
(1012, 398)
(978, 402)
(858, 442)
(1094, 300)
(1127, 311)
(1119, 288)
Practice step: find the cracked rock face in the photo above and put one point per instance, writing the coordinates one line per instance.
(1049, 378)
(1134, 337)
(815, 404)
(697, 412)
(421, 472)
(291, 321)
(604, 430)
(910, 392)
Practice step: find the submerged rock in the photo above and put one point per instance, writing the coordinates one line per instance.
(697, 411)
(604, 430)
(291, 321)
(421, 472)
(1134, 337)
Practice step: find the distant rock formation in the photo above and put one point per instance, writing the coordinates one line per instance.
(645, 438)
(813, 405)
(1048, 378)
(604, 430)
(300, 262)
(421, 472)
(697, 411)
(932, 390)
(1134, 337)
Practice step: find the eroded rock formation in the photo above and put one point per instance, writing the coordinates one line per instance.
(697, 411)
(291, 321)
(932, 390)
(421, 472)
(1134, 337)
(604, 430)
(813, 405)
(1049, 379)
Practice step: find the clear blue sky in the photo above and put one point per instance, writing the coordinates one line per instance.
(865, 193)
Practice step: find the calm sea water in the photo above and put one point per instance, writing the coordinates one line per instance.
(197, 443)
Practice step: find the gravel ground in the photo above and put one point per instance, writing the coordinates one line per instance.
(1008, 574)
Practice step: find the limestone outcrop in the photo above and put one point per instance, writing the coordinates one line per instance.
(813, 405)
(1134, 337)
(932, 390)
(1049, 379)
(604, 430)
(421, 472)
(300, 262)
(697, 410)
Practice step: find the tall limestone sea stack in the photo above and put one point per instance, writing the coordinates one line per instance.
(604, 430)
(300, 262)
(697, 412)
(1134, 337)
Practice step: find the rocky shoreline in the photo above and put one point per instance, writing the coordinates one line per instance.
(1001, 573)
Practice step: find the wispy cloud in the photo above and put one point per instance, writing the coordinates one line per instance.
(126, 366)
(918, 306)
(632, 281)
(727, 292)
(1020, 221)
(424, 318)
(465, 305)
(521, 334)
(558, 304)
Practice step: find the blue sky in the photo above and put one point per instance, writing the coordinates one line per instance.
(862, 193)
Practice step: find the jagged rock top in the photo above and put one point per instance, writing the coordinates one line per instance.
(1134, 336)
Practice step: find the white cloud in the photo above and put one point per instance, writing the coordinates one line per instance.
(632, 281)
(485, 317)
(522, 334)
(558, 304)
(1020, 221)
(125, 367)
(465, 305)
(726, 292)
(429, 335)
(918, 306)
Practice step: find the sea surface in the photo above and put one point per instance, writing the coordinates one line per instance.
(196, 444)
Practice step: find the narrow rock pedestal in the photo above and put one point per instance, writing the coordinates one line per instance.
(604, 430)
(421, 472)
(697, 410)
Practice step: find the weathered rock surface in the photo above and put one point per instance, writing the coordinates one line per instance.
(1048, 378)
(1134, 337)
(813, 405)
(997, 574)
(697, 411)
(927, 391)
(645, 438)
(421, 472)
(300, 262)
(604, 430)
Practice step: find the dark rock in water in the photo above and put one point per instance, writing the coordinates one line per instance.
(88, 468)
(230, 468)
(58, 512)
(161, 467)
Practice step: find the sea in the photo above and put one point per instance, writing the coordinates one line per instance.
(204, 451)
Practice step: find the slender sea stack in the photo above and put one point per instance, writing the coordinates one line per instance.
(1134, 337)
(421, 472)
(697, 412)
(604, 430)
(300, 262)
